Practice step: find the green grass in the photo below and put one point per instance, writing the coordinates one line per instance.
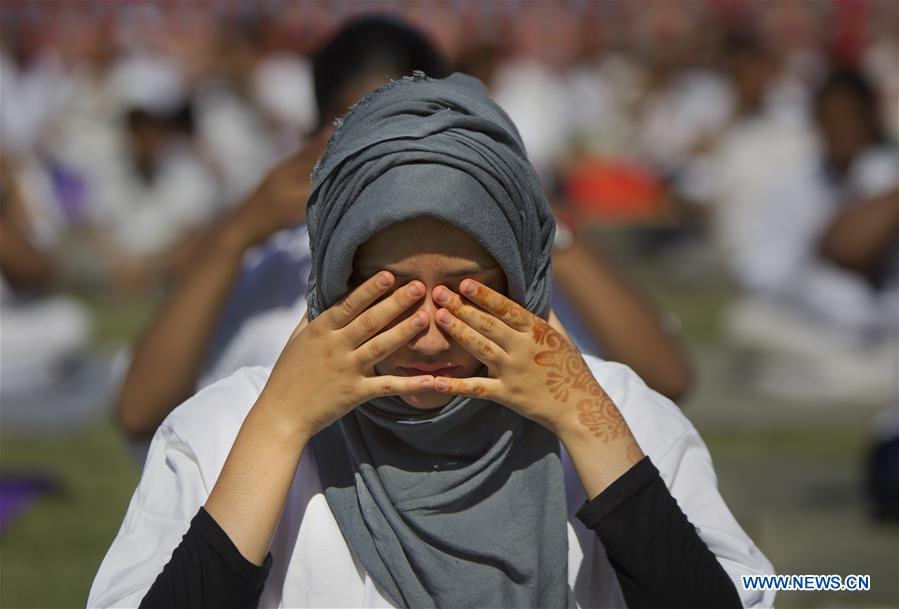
(50, 556)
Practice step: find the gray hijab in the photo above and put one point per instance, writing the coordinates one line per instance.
(463, 506)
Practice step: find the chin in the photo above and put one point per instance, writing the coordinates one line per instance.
(429, 400)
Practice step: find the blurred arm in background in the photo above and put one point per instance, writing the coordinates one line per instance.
(859, 237)
(169, 355)
(21, 263)
(621, 319)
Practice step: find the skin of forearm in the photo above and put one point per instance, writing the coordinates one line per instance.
(249, 495)
(600, 454)
(621, 320)
(860, 237)
(20, 262)
(169, 355)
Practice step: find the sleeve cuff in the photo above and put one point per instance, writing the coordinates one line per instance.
(634, 480)
(222, 545)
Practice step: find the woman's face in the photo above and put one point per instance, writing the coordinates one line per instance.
(435, 253)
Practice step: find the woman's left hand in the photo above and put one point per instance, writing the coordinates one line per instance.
(532, 368)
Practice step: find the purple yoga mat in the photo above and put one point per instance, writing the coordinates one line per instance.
(18, 492)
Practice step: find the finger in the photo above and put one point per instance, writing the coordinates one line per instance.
(472, 387)
(374, 319)
(481, 347)
(483, 322)
(357, 301)
(493, 302)
(378, 386)
(385, 343)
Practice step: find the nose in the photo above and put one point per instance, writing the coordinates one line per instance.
(431, 340)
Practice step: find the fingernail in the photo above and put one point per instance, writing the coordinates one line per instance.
(443, 316)
(416, 290)
(441, 384)
(384, 280)
(419, 321)
(442, 297)
(427, 384)
(468, 287)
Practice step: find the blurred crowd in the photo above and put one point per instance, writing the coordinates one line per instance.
(764, 132)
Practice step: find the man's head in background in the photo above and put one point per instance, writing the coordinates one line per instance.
(847, 112)
(363, 55)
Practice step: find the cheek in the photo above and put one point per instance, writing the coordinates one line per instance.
(469, 363)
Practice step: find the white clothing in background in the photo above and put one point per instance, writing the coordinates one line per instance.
(825, 331)
(146, 218)
(266, 304)
(537, 100)
(755, 233)
(602, 95)
(284, 89)
(37, 339)
(234, 138)
(312, 564)
(148, 81)
(28, 100)
(781, 259)
(674, 120)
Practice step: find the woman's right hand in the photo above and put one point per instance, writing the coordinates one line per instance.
(327, 367)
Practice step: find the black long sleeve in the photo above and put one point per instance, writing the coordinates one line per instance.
(207, 570)
(658, 556)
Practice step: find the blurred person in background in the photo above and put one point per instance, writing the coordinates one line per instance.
(827, 324)
(155, 198)
(238, 300)
(863, 237)
(681, 104)
(233, 134)
(531, 83)
(769, 133)
(32, 79)
(48, 380)
(121, 156)
(237, 303)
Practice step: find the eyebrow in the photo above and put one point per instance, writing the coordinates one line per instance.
(457, 273)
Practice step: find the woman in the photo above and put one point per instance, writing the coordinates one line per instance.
(452, 431)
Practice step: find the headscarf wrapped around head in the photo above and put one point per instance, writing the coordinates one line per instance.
(440, 148)
(462, 506)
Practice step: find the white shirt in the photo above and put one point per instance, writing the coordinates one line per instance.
(777, 254)
(143, 219)
(312, 563)
(235, 139)
(694, 106)
(265, 305)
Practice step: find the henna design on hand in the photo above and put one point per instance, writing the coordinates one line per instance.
(470, 389)
(540, 331)
(602, 418)
(569, 371)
